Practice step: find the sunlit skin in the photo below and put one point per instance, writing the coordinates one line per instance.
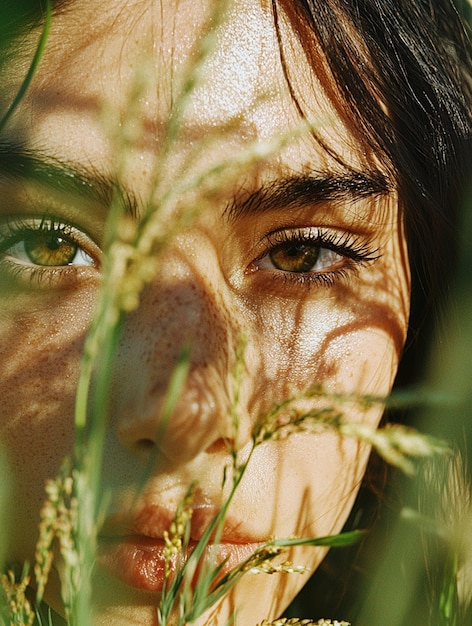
(340, 322)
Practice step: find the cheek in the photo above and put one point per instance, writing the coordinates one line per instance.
(309, 480)
(305, 484)
(343, 350)
(39, 356)
(362, 361)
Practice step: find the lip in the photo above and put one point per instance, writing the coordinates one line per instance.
(132, 549)
(139, 561)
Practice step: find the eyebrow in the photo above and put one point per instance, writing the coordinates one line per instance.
(295, 191)
(309, 189)
(18, 162)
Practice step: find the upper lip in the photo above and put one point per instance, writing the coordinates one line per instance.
(151, 520)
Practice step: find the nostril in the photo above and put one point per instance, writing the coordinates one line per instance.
(145, 450)
(145, 445)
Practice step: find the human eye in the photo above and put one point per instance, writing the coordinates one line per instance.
(313, 255)
(45, 249)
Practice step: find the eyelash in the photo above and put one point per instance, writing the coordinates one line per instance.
(355, 250)
(19, 229)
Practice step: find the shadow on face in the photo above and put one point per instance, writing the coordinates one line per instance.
(340, 323)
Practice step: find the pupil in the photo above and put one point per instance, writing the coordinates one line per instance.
(54, 243)
(294, 251)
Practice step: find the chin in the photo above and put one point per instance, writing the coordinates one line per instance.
(257, 596)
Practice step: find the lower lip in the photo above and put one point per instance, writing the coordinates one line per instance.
(139, 561)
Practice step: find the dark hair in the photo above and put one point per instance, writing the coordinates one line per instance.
(401, 73)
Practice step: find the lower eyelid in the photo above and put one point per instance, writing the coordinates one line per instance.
(25, 277)
(287, 285)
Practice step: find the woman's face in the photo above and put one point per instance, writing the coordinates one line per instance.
(293, 252)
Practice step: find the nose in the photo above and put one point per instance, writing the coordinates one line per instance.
(185, 324)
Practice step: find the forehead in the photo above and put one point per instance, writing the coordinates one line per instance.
(216, 66)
